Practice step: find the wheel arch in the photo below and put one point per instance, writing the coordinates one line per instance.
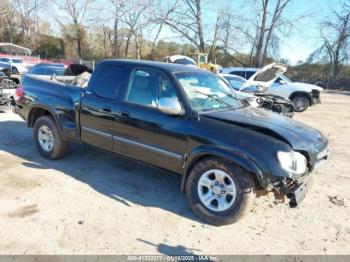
(41, 110)
(236, 157)
(295, 93)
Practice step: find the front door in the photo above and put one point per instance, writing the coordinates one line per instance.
(141, 130)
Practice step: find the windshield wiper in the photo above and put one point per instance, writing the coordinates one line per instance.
(214, 97)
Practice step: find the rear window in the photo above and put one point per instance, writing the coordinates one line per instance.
(108, 80)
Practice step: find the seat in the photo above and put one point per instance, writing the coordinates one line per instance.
(141, 92)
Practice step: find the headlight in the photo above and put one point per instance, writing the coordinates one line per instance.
(293, 162)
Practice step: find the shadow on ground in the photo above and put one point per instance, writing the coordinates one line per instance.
(123, 180)
(171, 250)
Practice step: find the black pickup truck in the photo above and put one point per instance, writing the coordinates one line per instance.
(181, 119)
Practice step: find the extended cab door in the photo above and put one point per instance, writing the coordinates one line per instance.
(143, 132)
(98, 104)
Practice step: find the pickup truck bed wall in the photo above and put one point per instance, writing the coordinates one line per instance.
(61, 100)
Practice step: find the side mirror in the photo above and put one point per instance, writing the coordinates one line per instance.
(170, 106)
(282, 82)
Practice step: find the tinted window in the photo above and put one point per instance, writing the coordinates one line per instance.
(108, 80)
(59, 71)
(3, 59)
(147, 86)
(236, 73)
(39, 71)
(249, 74)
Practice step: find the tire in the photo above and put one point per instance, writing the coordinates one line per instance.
(59, 147)
(241, 204)
(14, 71)
(301, 103)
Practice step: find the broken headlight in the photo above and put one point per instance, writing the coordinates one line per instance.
(293, 162)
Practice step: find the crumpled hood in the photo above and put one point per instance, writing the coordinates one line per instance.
(297, 134)
(304, 86)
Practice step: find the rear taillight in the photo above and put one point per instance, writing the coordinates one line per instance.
(19, 93)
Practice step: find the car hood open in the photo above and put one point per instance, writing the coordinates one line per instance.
(266, 75)
(298, 135)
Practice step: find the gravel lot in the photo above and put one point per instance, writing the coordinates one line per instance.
(91, 202)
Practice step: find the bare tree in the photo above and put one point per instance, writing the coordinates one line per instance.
(336, 33)
(28, 16)
(75, 11)
(186, 19)
(160, 13)
(119, 12)
(7, 22)
(266, 28)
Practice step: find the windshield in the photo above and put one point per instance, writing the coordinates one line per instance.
(235, 82)
(283, 77)
(206, 91)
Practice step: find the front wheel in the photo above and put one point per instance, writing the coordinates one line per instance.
(219, 191)
(14, 71)
(48, 139)
(300, 102)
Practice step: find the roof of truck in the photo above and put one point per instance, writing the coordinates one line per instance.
(170, 67)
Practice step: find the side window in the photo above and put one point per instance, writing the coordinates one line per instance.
(39, 71)
(108, 80)
(249, 74)
(236, 73)
(48, 72)
(147, 86)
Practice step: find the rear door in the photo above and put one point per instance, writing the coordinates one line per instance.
(98, 104)
(142, 131)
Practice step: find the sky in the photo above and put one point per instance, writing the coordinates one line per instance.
(304, 39)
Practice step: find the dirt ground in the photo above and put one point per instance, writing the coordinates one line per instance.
(93, 203)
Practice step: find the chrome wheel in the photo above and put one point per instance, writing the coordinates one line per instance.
(300, 103)
(216, 190)
(45, 137)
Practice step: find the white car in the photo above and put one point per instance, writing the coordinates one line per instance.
(18, 66)
(301, 94)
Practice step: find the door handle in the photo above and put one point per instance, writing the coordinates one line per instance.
(124, 113)
(106, 109)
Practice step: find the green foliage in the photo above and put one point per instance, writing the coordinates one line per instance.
(50, 47)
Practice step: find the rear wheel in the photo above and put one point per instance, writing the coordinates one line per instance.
(300, 102)
(219, 191)
(48, 140)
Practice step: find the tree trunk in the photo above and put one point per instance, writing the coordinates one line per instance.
(115, 52)
(259, 46)
(200, 27)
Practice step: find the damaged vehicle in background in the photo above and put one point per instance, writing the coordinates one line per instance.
(302, 95)
(75, 74)
(17, 65)
(8, 84)
(264, 100)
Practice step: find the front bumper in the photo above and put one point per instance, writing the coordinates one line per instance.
(316, 97)
(297, 193)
